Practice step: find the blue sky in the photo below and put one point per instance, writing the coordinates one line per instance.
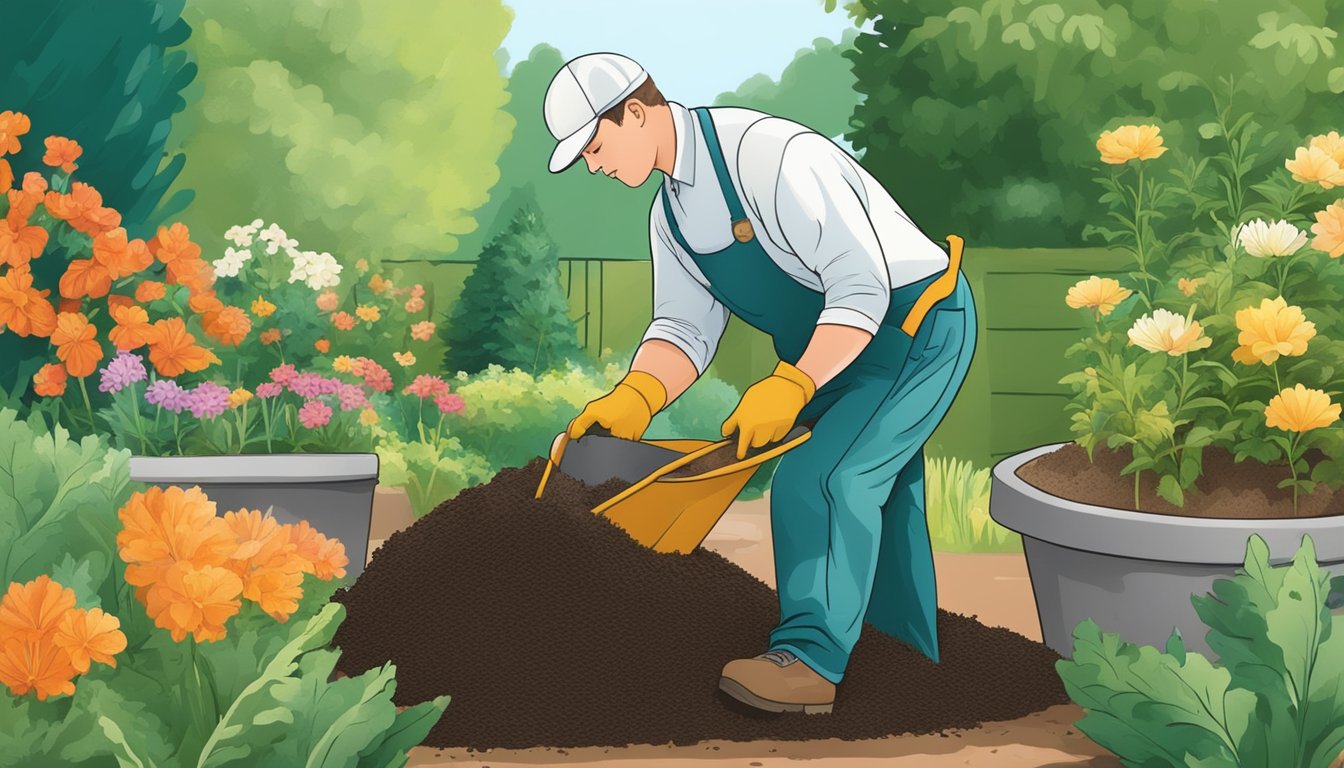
(694, 49)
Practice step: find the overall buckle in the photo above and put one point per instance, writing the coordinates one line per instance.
(742, 231)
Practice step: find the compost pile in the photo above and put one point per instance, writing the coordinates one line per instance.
(548, 625)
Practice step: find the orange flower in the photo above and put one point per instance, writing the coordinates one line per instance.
(133, 329)
(267, 562)
(49, 381)
(121, 258)
(12, 126)
(6, 174)
(20, 243)
(415, 304)
(343, 321)
(115, 300)
(70, 305)
(150, 290)
(262, 308)
(173, 243)
(83, 209)
(270, 336)
(196, 274)
(34, 184)
(24, 309)
(322, 345)
(422, 331)
(33, 611)
(204, 302)
(188, 599)
(85, 277)
(229, 325)
(89, 636)
(62, 153)
(21, 206)
(378, 285)
(163, 526)
(175, 350)
(328, 301)
(27, 665)
(369, 314)
(324, 557)
(75, 344)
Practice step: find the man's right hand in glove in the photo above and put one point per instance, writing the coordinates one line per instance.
(625, 411)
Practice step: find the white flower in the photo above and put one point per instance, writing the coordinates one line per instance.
(317, 270)
(276, 239)
(239, 236)
(1166, 331)
(256, 223)
(461, 376)
(1262, 239)
(232, 262)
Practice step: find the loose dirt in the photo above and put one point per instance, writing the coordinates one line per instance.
(550, 626)
(1226, 489)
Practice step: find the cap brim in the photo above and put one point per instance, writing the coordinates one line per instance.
(569, 149)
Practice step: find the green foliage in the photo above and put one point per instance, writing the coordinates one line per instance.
(815, 89)
(376, 125)
(1274, 699)
(430, 471)
(982, 118)
(513, 311)
(957, 503)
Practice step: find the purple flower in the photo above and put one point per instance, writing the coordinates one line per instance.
(352, 397)
(167, 394)
(331, 385)
(268, 389)
(208, 400)
(124, 369)
(307, 385)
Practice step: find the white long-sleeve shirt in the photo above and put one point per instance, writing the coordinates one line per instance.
(820, 216)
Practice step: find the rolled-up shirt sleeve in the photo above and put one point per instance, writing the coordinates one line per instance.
(821, 209)
(685, 313)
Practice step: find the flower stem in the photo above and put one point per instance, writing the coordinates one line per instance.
(1136, 490)
(1277, 386)
(84, 390)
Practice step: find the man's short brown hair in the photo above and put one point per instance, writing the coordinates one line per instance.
(648, 95)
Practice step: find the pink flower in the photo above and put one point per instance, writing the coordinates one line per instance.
(376, 377)
(307, 384)
(268, 389)
(450, 403)
(415, 304)
(327, 301)
(314, 414)
(425, 386)
(352, 397)
(418, 290)
(283, 374)
(422, 331)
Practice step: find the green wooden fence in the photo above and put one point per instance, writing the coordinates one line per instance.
(1011, 399)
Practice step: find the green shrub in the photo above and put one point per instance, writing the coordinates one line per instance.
(1274, 699)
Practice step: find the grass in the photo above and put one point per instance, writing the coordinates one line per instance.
(957, 506)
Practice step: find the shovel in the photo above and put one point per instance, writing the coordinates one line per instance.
(664, 513)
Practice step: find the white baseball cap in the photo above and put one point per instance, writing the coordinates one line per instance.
(578, 95)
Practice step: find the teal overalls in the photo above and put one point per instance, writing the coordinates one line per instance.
(847, 506)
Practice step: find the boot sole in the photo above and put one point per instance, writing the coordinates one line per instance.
(740, 692)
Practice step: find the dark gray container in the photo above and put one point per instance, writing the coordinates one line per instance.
(332, 491)
(1133, 573)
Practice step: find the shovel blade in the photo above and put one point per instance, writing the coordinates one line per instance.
(595, 459)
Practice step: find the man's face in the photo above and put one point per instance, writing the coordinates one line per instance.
(625, 152)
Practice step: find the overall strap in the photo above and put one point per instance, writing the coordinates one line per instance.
(741, 225)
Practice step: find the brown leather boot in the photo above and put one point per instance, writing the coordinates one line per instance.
(777, 681)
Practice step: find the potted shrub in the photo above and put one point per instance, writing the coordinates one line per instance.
(1205, 409)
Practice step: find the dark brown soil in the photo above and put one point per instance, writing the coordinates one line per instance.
(1226, 489)
(713, 460)
(550, 626)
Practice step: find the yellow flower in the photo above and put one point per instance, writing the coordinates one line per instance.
(1329, 230)
(377, 284)
(1165, 331)
(239, 396)
(368, 314)
(362, 265)
(1188, 285)
(1130, 142)
(1314, 164)
(404, 358)
(1331, 143)
(1298, 409)
(262, 308)
(343, 364)
(368, 417)
(1263, 239)
(1271, 330)
(1097, 292)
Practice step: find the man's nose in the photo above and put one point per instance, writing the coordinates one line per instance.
(593, 166)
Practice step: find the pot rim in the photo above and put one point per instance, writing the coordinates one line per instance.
(1030, 511)
(256, 468)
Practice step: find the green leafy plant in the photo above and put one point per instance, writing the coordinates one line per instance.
(957, 500)
(1273, 699)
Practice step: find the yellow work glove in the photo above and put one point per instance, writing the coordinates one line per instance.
(625, 411)
(769, 408)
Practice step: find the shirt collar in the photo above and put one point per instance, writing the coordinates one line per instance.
(683, 126)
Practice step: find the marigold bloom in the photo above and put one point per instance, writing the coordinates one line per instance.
(83, 209)
(116, 301)
(422, 331)
(322, 345)
(89, 636)
(1315, 165)
(324, 557)
(31, 665)
(262, 308)
(62, 153)
(24, 309)
(173, 243)
(343, 321)
(1166, 331)
(85, 277)
(205, 302)
(150, 290)
(1130, 142)
(22, 204)
(119, 256)
(404, 359)
(34, 185)
(368, 314)
(270, 336)
(1299, 409)
(1189, 285)
(194, 600)
(133, 329)
(19, 242)
(1331, 143)
(229, 325)
(267, 561)
(343, 364)
(49, 381)
(368, 417)
(1329, 230)
(239, 396)
(76, 344)
(1263, 239)
(162, 526)
(328, 301)
(6, 174)
(34, 610)
(174, 350)
(1271, 330)
(1097, 292)
(378, 285)
(12, 126)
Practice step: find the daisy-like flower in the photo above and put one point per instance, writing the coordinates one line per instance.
(1299, 409)
(1166, 331)
(1270, 331)
(343, 364)
(1099, 293)
(1130, 142)
(1329, 230)
(1263, 239)
(1315, 165)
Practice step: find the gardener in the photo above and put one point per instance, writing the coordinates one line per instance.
(873, 322)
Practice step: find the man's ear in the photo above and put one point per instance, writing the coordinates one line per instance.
(638, 112)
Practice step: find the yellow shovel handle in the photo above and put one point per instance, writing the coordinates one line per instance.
(553, 460)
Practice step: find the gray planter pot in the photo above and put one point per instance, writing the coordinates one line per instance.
(1133, 573)
(332, 491)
